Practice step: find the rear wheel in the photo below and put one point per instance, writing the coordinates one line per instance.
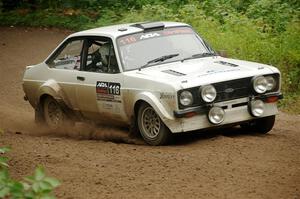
(262, 125)
(151, 127)
(39, 116)
(54, 116)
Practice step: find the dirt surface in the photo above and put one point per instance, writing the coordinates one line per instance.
(215, 164)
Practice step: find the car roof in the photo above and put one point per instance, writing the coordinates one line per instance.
(115, 31)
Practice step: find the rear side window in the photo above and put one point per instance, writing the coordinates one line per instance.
(69, 57)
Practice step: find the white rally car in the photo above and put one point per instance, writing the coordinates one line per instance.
(160, 77)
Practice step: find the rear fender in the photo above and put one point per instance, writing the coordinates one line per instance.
(52, 88)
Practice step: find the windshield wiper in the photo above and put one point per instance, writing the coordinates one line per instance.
(159, 59)
(199, 55)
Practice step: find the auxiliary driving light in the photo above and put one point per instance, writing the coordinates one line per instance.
(257, 108)
(216, 115)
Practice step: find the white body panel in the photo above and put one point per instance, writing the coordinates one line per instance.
(152, 85)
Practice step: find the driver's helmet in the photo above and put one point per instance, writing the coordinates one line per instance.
(104, 51)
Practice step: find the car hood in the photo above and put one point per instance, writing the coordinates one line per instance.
(203, 71)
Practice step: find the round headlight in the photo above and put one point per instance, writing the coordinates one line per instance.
(271, 83)
(260, 84)
(216, 115)
(186, 98)
(208, 93)
(257, 108)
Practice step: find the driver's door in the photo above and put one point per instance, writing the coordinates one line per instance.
(64, 67)
(99, 91)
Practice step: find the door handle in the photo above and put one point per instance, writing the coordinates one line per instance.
(80, 78)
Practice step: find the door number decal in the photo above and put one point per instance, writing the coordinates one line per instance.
(108, 91)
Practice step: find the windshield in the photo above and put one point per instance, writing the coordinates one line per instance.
(136, 50)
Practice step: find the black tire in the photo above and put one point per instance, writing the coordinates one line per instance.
(134, 129)
(151, 127)
(54, 116)
(39, 116)
(262, 125)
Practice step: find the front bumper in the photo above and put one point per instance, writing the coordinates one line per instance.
(236, 111)
(204, 109)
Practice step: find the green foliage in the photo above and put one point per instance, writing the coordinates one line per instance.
(238, 34)
(37, 186)
(263, 11)
(44, 19)
(264, 31)
(3, 160)
(290, 103)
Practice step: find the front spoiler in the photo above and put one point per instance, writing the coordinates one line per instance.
(236, 111)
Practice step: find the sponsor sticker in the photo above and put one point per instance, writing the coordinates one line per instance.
(107, 106)
(168, 96)
(108, 91)
(130, 39)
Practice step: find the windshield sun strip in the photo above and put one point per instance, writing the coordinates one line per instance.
(138, 32)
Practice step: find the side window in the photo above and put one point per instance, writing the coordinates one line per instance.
(101, 57)
(69, 58)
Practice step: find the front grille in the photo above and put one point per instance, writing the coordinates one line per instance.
(233, 89)
(228, 90)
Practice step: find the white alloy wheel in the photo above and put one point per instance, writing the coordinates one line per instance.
(151, 127)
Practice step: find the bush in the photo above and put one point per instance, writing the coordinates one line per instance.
(239, 35)
(37, 186)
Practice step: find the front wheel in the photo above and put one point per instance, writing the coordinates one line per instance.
(151, 127)
(262, 125)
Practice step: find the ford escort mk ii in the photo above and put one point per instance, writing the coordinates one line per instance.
(159, 78)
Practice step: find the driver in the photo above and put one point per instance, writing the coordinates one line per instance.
(104, 52)
(100, 58)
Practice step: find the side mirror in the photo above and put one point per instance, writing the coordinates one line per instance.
(222, 53)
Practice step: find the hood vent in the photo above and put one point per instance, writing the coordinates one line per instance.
(226, 63)
(173, 72)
